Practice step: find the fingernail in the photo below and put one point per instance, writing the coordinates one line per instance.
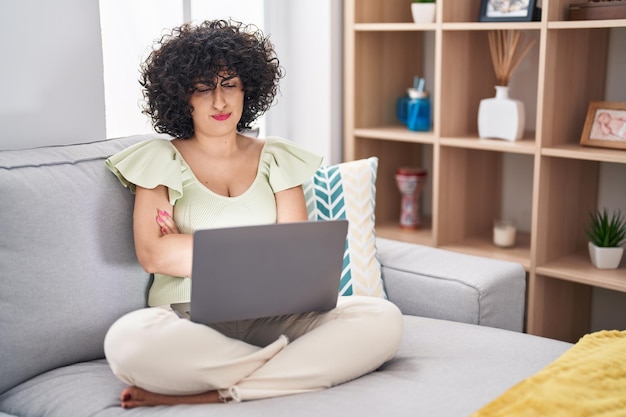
(163, 230)
(166, 214)
(159, 219)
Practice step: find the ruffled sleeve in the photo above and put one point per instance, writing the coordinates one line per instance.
(287, 164)
(149, 164)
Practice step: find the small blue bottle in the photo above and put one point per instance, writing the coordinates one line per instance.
(414, 110)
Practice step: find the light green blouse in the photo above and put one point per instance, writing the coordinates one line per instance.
(282, 165)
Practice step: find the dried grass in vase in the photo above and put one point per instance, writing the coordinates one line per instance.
(507, 51)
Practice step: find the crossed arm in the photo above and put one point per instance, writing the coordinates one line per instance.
(162, 249)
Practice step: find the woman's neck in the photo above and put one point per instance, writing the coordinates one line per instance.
(216, 145)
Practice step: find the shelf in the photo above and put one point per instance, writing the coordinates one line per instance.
(402, 134)
(546, 181)
(484, 247)
(394, 27)
(421, 236)
(467, 26)
(524, 146)
(578, 268)
(482, 26)
(588, 153)
(587, 24)
(395, 133)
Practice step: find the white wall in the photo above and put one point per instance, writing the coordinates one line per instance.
(308, 40)
(126, 42)
(51, 84)
(245, 11)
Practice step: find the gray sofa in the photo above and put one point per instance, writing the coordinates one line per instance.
(68, 270)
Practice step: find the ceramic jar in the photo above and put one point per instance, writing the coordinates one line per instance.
(410, 182)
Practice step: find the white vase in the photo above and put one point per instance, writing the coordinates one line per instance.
(501, 117)
(605, 258)
(423, 12)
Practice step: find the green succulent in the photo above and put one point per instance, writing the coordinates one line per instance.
(606, 232)
(423, 1)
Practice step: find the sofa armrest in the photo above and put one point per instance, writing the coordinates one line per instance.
(429, 282)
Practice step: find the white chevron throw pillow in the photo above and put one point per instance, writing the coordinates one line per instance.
(348, 191)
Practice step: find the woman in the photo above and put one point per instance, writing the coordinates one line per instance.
(204, 85)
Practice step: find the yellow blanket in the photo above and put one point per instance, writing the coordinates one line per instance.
(587, 380)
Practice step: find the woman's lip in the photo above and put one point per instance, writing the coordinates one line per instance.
(222, 116)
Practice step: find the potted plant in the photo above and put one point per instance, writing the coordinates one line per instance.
(606, 234)
(423, 11)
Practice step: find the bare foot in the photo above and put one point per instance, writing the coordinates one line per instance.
(136, 397)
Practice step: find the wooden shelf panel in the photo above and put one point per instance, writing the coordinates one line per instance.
(478, 26)
(402, 134)
(524, 146)
(395, 133)
(421, 236)
(587, 24)
(578, 268)
(483, 246)
(482, 26)
(468, 26)
(394, 27)
(588, 153)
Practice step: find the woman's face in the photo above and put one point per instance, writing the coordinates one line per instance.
(217, 108)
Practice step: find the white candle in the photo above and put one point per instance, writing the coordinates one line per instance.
(504, 233)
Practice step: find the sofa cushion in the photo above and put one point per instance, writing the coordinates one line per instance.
(437, 283)
(441, 369)
(68, 262)
(348, 191)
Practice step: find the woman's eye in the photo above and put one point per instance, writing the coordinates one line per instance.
(204, 88)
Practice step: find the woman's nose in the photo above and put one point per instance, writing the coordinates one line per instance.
(218, 99)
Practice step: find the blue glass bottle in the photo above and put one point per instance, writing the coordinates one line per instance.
(414, 110)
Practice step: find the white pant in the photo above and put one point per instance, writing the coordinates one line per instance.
(155, 350)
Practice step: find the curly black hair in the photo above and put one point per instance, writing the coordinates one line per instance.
(190, 54)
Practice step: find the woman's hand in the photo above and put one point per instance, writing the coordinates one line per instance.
(166, 223)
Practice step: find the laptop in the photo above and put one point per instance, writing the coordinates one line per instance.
(267, 270)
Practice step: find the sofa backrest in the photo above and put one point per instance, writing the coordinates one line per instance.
(68, 268)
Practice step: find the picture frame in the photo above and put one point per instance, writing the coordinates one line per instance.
(507, 10)
(605, 125)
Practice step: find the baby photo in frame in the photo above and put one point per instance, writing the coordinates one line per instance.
(605, 125)
(506, 10)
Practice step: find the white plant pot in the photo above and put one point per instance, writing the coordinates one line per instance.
(605, 258)
(423, 12)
